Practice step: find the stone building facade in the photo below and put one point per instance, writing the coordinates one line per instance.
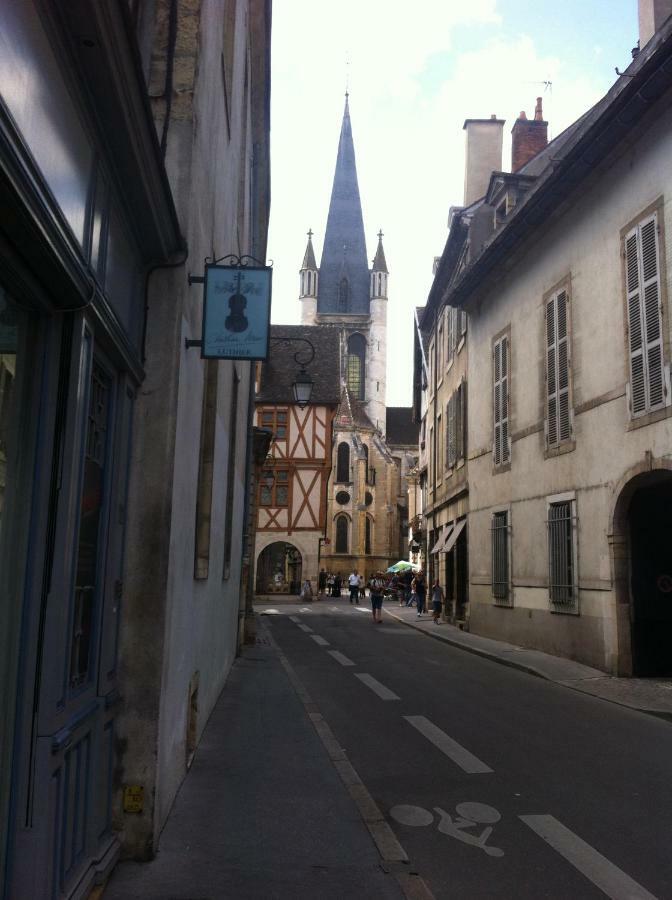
(119, 619)
(565, 282)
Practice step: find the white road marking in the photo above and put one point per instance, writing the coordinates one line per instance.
(377, 688)
(339, 657)
(597, 868)
(305, 628)
(362, 609)
(294, 619)
(464, 759)
(320, 640)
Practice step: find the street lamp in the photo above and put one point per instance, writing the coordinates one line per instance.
(302, 386)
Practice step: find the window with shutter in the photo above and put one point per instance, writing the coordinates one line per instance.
(501, 448)
(450, 332)
(645, 328)
(558, 406)
(451, 457)
(461, 422)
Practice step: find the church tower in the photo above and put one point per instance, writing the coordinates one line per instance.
(344, 292)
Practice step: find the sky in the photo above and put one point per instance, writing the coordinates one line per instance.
(415, 72)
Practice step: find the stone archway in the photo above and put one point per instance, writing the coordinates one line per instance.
(640, 539)
(279, 567)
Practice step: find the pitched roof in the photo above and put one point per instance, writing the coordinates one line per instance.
(280, 369)
(344, 252)
(400, 427)
(351, 413)
(563, 166)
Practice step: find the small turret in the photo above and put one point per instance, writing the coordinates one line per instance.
(379, 272)
(308, 284)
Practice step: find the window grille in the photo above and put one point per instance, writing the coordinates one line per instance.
(561, 565)
(645, 331)
(501, 445)
(500, 558)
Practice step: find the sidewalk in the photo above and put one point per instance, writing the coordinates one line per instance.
(271, 807)
(652, 696)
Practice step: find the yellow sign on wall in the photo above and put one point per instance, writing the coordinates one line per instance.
(134, 798)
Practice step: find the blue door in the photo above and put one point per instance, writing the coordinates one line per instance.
(63, 784)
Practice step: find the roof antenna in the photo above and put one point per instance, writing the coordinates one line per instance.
(347, 74)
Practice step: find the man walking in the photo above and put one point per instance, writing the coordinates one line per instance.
(420, 591)
(353, 584)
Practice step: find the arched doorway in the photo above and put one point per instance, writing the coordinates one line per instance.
(642, 538)
(650, 520)
(279, 569)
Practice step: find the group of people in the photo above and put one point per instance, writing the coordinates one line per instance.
(410, 588)
(332, 585)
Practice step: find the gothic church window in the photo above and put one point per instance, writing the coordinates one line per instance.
(343, 463)
(342, 534)
(367, 536)
(356, 365)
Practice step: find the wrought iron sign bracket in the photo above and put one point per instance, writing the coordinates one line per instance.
(241, 320)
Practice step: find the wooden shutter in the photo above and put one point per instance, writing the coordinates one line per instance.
(558, 416)
(501, 401)
(451, 433)
(459, 424)
(645, 331)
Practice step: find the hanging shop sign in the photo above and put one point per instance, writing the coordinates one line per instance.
(236, 310)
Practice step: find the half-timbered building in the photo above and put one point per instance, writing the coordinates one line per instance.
(292, 493)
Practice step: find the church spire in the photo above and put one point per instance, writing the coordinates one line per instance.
(344, 271)
(308, 283)
(379, 271)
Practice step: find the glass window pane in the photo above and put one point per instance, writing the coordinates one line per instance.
(281, 495)
(90, 517)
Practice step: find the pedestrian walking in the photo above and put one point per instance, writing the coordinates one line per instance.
(362, 586)
(307, 591)
(437, 601)
(353, 584)
(420, 591)
(338, 581)
(376, 588)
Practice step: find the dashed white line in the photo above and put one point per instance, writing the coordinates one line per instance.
(459, 754)
(320, 640)
(377, 688)
(305, 628)
(340, 657)
(597, 868)
(294, 619)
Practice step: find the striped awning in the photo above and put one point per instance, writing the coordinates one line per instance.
(443, 537)
(456, 532)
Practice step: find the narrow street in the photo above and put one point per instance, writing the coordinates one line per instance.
(496, 783)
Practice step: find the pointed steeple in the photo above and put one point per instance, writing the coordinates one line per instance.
(344, 271)
(308, 274)
(309, 255)
(379, 272)
(379, 263)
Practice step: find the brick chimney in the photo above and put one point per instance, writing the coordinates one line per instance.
(483, 155)
(528, 137)
(652, 14)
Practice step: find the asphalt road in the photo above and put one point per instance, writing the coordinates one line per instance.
(496, 783)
